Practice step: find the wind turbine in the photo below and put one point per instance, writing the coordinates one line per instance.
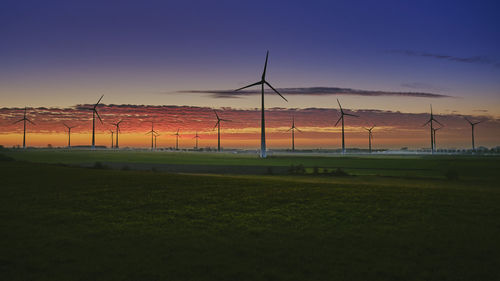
(196, 137)
(152, 132)
(293, 128)
(431, 119)
(472, 124)
(112, 137)
(24, 130)
(217, 125)
(342, 113)
(117, 124)
(156, 135)
(434, 136)
(263, 125)
(177, 139)
(94, 113)
(69, 134)
(370, 137)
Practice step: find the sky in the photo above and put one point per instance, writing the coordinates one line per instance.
(386, 58)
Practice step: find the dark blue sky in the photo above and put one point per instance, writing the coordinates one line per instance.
(65, 51)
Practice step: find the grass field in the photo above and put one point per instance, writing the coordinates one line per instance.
(394, 218)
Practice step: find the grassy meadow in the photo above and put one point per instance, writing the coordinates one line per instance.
(389, 218)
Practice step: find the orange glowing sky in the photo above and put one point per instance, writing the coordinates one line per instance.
(393, 129)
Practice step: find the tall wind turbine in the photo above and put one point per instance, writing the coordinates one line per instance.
(263, 123)
(217, 125)
(196, 137)
(293, 128)
(431, 120)
(472, 124)
(94, 113)
(112, 137)
(152, 132)
(69, 134)
(434, 136)
(156, 135)
(24, 130)
(117, 124)
(177, 140)
(370, 137)
(342, 113)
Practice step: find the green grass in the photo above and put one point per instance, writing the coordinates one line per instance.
(68, 223)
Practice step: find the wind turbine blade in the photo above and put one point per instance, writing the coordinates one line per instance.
(275, 90)
(30, 121)
(289, 129)
(217, 123)
(226, 120)
(97, 113)
(427, 122)
(18, 121)
(98, 101)
(351, 115)
(478, 122)
(470, 122)
(298, 129)
(438, 122)
(341, 110)
(216, 115)
(251, 85)
(338, 121)
(265, 67)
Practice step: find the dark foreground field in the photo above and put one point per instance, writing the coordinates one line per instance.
(72, 223)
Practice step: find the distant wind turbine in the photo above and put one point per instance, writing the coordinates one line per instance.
(152, 132)
(177, 140)
(342, 113)
(112, 137)
(24, 119)
(431, 120)
(472, 124)
(156, 135)
(69, 134)
(370, 137)
(117, 125)
(196, 137)
(293, 128)
(434, 136)
(263, 125)
(94, 113)
(217, 125)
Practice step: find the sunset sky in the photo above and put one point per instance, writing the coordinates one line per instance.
(175, 61)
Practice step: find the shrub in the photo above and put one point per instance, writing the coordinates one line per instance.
(99, 165)
(339, 173)
(315, 170)
(270, 170)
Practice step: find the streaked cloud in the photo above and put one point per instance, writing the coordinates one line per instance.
(316, 91)
(473, 59)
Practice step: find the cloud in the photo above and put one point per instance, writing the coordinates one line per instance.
(473, 59)
(316, 91)
(422, 86)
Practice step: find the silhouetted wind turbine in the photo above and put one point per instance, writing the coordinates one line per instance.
(370, 137)
(177, 140)
(342, 113)
(293, 128)
(196, 137)
(94, 113)
(472, 124)
(263, 125)
(431, 119)
(152, 132)
(24, 130)
(69, 134)
(217, 125)
(112, 137)
(117, 124)
(434, 136)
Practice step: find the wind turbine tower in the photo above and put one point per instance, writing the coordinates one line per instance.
(263, 123)
(177, 140)
(24, 119)
(217, 125)
(69, 134)
(431, 120)
(117, 125)
(342, 114)
(196, 137)
(370, 137)
(293, 128)
(152, 132)
(472, 124)
(94, 113)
